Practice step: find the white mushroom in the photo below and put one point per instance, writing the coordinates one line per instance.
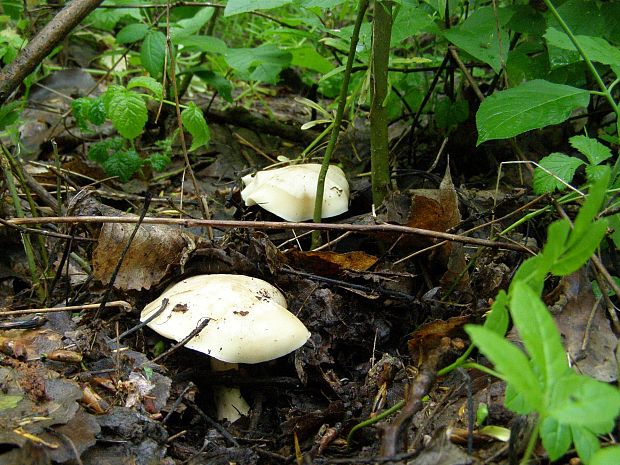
(290, 192)
(249, 323)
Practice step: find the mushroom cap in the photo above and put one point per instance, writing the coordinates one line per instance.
(290, 192)
(249, 322)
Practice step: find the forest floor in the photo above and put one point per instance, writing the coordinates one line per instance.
(385, 308)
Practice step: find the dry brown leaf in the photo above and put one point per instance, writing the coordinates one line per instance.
(326, 263)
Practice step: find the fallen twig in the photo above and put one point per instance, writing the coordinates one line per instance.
(191, 222)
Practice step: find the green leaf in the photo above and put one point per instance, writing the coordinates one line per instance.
(515, 401)
(594, 151)
(591, 207)
(558, 164)
(8, 401)
(595, 173)
(158, 161)
(410, 20)
(307, 57)
(123, 164)
(511, 363)
(148, 83)
(132, 33)
(98, 152)
(556, 437)
(497, 320)
(235, 7)
(532, 105)
(532, 272)
(477, 35)
(128, 113)
(583, 401)
(585, 441)
(448, 113)
(578, 252)
(597, 48)
(9, 112)
(80, 107)
(606, 456)
(207, 44)
(190, 26)
(262, 63)
(96, 114)
(538, 332)
(194, 122)
(153, 53)
(222, 85)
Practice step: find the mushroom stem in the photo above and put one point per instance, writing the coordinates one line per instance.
(229, 402)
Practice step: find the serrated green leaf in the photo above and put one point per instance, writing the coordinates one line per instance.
(110, 92)
(559, 165)
(148, 83)
(585, 441)
(532, 105)
(235, 7)
(510, 362)
(123, 164)
(80, 107)
(158, 161)
(128, 113)
(538, 332)
(98, 152)
(594, 173)
(194, 122)
(153, 53)
(96, 112)
(132, 33)
(594, 151)
(556, 437)
(606, 456)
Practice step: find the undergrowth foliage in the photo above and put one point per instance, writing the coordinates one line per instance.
(547, 57)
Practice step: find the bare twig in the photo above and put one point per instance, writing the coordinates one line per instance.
(70, 308)
(191, 222)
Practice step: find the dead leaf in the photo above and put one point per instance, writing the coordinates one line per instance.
(325, 263)
(153, 252)
(429, 335)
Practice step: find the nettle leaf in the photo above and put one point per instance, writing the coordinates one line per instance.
(194, 122)
(594, 151)
(123, 164)
(556, 437)
(532, 105)
(510, 362)
(128, 113)
(148, 83)
(158, 161)
(606, 456)
(559, 166)
(98, 152)
(132, 33)
(235, 7)
(79, 107)
(153, 53)
(538, 332)
(96, 113)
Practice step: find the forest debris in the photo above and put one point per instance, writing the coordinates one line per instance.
(153, 252)
(325, 263)
(586, 331)
(429, 335)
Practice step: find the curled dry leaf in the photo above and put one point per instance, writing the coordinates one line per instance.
(153, 252)
(326, 263)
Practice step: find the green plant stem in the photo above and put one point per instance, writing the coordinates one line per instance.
(606, 92)
(371, 421)
(482, 368)
(320, 187)
(457, 363)
(379, 145)
(30, 258)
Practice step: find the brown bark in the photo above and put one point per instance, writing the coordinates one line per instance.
(42, 44)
